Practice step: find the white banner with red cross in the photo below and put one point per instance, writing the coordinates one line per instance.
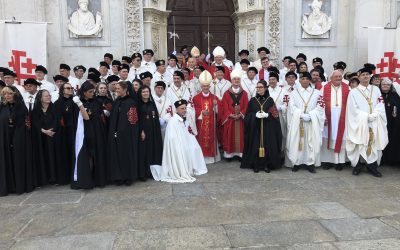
(384, 51)
(23, 47)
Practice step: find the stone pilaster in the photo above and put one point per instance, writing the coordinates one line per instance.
(134, 26)
(155, 31)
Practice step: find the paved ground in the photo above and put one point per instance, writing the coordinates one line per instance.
(227, 208)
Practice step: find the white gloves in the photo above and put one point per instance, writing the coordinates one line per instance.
(106, 112)
(261, 115)
(77, 101)
(305, 117)
(162, 122)
(372, 117)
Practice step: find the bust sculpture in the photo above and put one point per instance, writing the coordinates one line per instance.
(316, 24)
(82, 22)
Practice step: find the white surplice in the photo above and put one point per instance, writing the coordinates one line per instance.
(220, 87)
(182, 155)
(329, 155)
(312, 140)
(357, 125)
(165, 111)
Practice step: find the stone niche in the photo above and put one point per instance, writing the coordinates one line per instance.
(93, 31)
(316, 31)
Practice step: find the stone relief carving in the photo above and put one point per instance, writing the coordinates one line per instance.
(251, 37)
(82, 22)
(134, 25)
(273, 29)
(155, 41)
(316, 24)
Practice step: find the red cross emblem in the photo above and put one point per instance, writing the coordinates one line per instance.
(388, 66)
(321, 101)
(17, 64)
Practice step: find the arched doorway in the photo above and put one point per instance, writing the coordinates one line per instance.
(191, 24)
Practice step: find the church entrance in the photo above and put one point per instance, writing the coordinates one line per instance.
(191, 18)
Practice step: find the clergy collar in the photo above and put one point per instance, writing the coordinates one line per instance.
(236, 90)
(204, 94)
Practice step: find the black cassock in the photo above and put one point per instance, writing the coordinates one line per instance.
(90, 167)
(66, 120)
(44, 152)
(151, 149)
(16, 164)
(123, 141)
(391, 154)
(271, 133)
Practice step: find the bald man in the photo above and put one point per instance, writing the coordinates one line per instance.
(335, 93)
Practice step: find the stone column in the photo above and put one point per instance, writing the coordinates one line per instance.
(155, 31)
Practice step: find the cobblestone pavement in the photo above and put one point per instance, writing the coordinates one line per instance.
(227, 208)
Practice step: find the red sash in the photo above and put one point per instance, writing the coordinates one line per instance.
(261, 74)
(328, 102)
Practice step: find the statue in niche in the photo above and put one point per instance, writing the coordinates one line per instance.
(82, 22)
(316, 24)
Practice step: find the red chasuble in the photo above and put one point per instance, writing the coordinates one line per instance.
(233, 130)
(206, 135)
(211, 69)
(328, 102)
(261, 74)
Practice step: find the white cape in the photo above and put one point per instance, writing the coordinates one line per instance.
(182, 155)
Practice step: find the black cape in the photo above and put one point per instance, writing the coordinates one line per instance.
(391, 154)
(66, 120)
(44, 152)
(123, 141)
(272, 135)
(151, 149)
(91, 165)
(16, 164)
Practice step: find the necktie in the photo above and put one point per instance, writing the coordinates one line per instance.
(135, 75)
(162, 77)
(30, 103)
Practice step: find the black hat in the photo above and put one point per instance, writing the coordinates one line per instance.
(287, 58)
(116, 62)
(292, 61)
(301, 55)
(253, 69)
(290, 73)
(172, 57)
(123, 66)
(244, 61)
(339, 65)
(244, 51)
(180, 102)
(109, 55)
(127, 59)
(161, 84)
(148, 51)
(32, 81)
(217, 68)
(93, 77)
(60, 78)
(136, 55)
(104, 64)
(274, 74)
(263, 49)
(273, 69)
(160, 62)
(317, 59)
(320, 69)
(2, 69)
(2, 84)
(370, 66)
(145, 75)
(76, 68)
(65, 66)
(10, 73)
(365, 69)
(94, 71)
(41, 69)
(180, 74)
(305, 74)
(112, 78)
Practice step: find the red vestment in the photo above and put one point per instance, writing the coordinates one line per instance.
(233, 130)
(211, 69)
(328, 102)
(206, 130)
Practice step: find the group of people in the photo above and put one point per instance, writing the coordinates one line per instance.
(137, 119)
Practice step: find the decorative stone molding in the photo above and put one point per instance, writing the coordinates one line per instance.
(273, 29)
(155, 42)
(134, 26)
(249, 17)
(155, 30)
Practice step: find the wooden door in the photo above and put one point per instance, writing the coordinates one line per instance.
(191, 24)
